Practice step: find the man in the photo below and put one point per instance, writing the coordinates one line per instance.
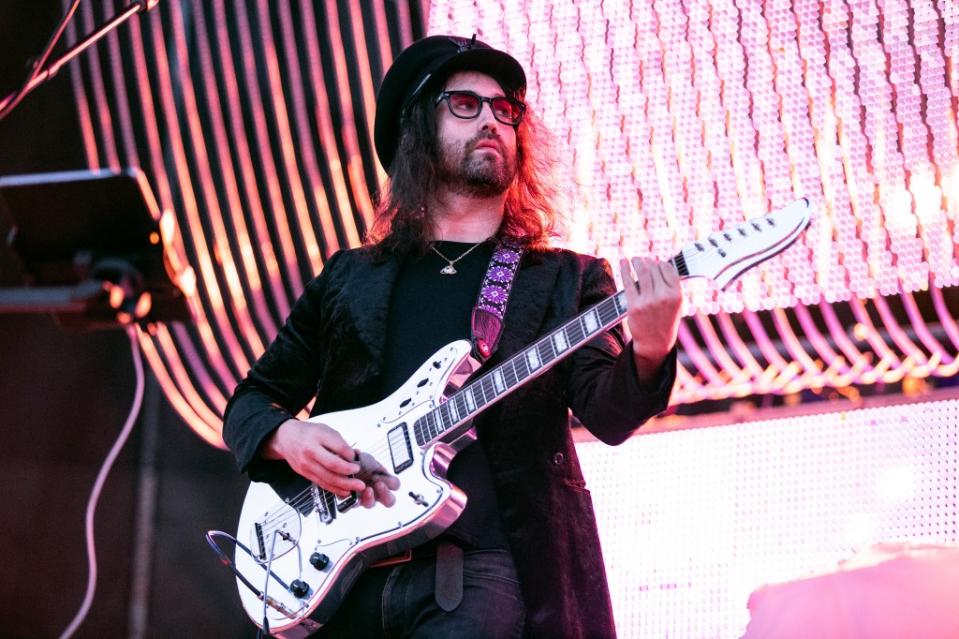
(465, 173)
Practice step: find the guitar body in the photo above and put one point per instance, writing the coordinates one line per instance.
(297, 523)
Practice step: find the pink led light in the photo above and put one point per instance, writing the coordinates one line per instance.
(676, 119)
(725, 510)
(728, 109)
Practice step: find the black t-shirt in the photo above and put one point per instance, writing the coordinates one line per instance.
(427, 311)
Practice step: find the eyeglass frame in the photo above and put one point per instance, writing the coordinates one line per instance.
(445, 96)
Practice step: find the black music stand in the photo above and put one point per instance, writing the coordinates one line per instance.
(87, 246)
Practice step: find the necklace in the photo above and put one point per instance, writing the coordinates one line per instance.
(449, 269)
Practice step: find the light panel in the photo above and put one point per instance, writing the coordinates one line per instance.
(682, 118)
(693, 521)
(674, 119)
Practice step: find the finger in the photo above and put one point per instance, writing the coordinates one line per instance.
(341, 486)
(334, 442)
(645, 275)
(383, 494)
(370, 468)
(641, 267)
(367, 498)
(629, 284)
(336, 463)
(669, 274)
(392, 482)
(331, 477)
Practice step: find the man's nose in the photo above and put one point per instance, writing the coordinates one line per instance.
(486, 116)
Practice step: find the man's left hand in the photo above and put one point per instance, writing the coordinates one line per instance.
(653, 302)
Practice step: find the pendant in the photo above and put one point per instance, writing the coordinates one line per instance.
(448, 270)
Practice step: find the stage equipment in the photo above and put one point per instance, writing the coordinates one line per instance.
(91, 247)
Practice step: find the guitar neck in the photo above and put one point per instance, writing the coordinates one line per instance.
(525, 365)
(722, 256)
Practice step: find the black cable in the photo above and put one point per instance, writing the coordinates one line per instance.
(226, 561)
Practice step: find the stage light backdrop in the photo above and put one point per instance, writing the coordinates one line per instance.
(694, 521)
(253, 122)
(674, 118)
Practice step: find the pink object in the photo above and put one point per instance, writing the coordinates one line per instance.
(889, 591)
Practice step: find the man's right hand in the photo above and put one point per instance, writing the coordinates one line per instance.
(321, 455)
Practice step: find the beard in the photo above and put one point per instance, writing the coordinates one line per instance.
(482, 174)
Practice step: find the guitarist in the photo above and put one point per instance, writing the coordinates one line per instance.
(467, 170)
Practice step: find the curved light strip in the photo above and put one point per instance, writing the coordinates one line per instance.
(254, 123)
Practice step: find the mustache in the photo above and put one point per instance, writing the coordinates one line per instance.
(486, 137)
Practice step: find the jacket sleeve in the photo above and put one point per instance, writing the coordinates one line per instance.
(604, 389)
(280, 384)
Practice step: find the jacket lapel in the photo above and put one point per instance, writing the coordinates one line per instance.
(369, 305)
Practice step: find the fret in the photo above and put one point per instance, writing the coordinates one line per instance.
(532, 359)
(620, 302)
(509, 374)
(574, 331)
(545, 350)
(522, 369)
(679, 261)
(462, 410)
(470, 401)
(485, 388)
(560, 343)
(489, 393)
(445, 420)
(423, 430)
(607, 312)
(591, 321)
(498, 380)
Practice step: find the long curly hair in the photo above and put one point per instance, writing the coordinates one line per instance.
(402, 224)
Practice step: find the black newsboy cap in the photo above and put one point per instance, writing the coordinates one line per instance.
(430, 59)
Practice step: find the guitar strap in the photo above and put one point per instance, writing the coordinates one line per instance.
(487, 319)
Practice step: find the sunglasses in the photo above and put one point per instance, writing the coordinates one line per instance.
(467, 106)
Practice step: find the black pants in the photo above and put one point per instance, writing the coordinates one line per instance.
(398, 601)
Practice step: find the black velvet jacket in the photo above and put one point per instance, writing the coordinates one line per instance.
(331, 348)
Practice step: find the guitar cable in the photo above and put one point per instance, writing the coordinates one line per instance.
(98, 486)
(266, 584)
(226, 561)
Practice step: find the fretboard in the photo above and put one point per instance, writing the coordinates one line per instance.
(525, 366)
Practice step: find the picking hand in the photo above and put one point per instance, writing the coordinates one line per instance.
(320, 454)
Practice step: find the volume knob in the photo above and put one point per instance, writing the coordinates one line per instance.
(299, 588)
(319, 561)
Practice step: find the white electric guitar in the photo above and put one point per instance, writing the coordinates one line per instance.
(316, 545)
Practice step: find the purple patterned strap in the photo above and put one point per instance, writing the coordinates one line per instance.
(487, 320)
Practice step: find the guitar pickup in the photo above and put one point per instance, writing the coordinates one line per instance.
(345, 503)
(401, 452)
